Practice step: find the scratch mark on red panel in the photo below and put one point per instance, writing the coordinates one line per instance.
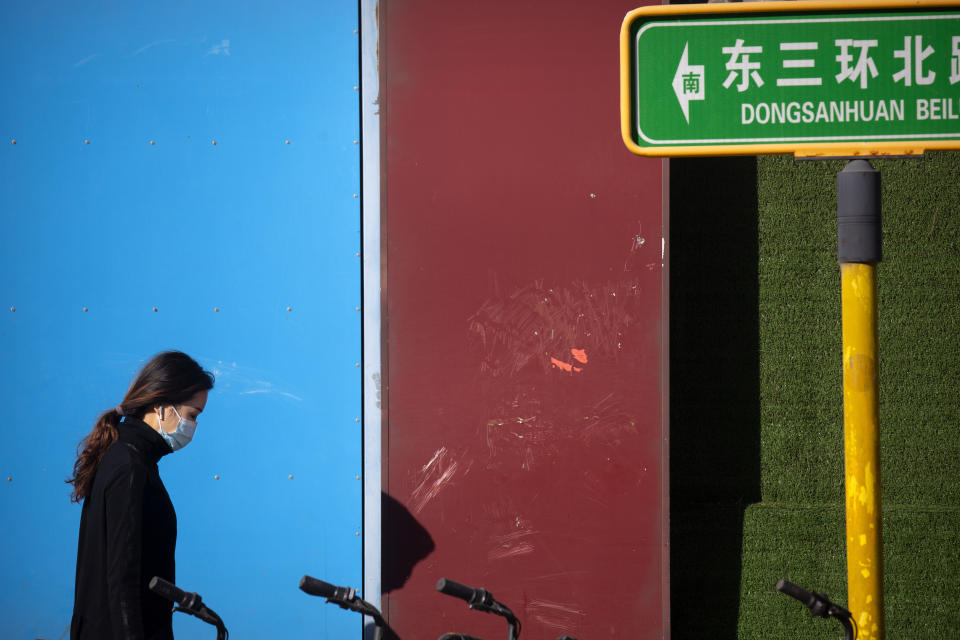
(434, 476)
(558, 615)
(555, 327)
(527, 464)
(442, 451)
(520, 549)
(511, 545)
(520, 433)
(567, 357)
(559, 574)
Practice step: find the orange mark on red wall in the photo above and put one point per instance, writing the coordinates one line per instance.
(580, 355)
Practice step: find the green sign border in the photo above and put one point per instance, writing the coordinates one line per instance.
(854, 147)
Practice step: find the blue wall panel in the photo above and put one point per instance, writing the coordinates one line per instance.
(116, 202)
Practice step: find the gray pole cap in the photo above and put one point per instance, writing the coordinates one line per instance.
(858, 213)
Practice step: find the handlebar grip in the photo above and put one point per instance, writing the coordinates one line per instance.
(794, 591)
(169, 591)
(316, 587)
(326, 590)
(456, 589)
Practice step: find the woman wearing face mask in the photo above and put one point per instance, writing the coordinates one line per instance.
(128, 528)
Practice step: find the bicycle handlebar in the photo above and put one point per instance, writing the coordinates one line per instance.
(164, 589)
(481, 600)
(188, 602)
(319, 588)
(795, 591)
(820, 606)
(343, 597)
(457, 590)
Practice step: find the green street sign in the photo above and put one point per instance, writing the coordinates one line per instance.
(809, 78)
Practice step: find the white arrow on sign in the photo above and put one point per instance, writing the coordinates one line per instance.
(688, 83)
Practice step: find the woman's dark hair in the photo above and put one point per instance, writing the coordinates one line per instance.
(171, 377)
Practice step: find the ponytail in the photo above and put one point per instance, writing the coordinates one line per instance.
(90, 452)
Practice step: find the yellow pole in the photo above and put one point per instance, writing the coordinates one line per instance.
(859, 251)
(862, 448)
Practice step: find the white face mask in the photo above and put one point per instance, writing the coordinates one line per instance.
(182, 435)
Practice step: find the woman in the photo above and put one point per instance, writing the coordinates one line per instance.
(128, 528)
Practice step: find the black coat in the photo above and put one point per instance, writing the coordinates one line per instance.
(128, 534)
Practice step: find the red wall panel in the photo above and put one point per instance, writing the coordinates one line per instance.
(524, 436)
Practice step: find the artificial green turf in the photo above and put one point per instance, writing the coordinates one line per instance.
(805, 545)
(757, 438)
